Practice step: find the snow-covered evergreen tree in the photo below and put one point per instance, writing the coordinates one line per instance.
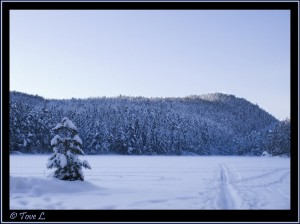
(67, 145)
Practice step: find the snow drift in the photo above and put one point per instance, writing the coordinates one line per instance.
(140, 182)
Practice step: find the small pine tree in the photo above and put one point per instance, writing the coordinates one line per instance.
(66, 146)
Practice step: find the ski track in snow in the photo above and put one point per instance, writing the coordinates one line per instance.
(226, 198)
(140, 182)
(251, 192)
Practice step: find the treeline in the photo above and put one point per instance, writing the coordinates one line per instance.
(212, 124)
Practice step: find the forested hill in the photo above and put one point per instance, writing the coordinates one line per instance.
(212, 124)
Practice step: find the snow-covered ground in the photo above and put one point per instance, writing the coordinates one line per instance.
(154, 182)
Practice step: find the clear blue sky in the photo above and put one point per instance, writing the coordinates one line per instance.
(176, 53)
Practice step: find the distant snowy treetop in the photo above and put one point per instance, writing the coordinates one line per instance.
(216, 97)
(67, 123)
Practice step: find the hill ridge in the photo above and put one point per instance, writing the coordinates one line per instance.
(204, 124)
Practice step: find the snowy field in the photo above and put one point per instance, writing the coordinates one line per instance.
(154, 182)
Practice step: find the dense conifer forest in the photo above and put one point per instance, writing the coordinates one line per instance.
(211, 124)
